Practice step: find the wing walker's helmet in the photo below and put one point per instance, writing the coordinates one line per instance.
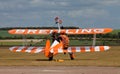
(62, 33)
(54, 32)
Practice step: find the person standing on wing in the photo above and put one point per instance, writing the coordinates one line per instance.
(65, 40)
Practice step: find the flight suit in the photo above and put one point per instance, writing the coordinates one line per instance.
(65, 40)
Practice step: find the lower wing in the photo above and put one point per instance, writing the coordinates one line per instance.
(26, 49)
(70, 49)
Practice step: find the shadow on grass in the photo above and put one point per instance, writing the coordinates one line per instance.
(67, 59)
(88, 59)
(52, 60)
(81, 59)
(42, 60)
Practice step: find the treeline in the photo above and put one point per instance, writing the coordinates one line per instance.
(110, 36)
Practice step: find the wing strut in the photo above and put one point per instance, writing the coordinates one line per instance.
(24, 40)
(94, 40)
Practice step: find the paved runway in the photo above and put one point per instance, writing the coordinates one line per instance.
(58, 70)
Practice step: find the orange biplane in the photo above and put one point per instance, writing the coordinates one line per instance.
(57, 47)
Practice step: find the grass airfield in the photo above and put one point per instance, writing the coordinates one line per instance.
(110, 58)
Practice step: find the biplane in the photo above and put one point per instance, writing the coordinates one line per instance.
(57, 47)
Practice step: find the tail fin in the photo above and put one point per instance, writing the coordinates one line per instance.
(47, 48)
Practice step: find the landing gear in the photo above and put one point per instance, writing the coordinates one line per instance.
(72, 56)
(51, 58)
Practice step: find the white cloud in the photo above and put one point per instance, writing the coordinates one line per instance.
(110, 2)
(37, 2)
(48, 3)
(88, 13)
(37, 11)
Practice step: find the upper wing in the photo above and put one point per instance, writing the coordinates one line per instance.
(68, 31)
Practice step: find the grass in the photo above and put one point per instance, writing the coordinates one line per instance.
(107, 58)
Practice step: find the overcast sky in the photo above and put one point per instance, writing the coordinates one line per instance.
(80, 13)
